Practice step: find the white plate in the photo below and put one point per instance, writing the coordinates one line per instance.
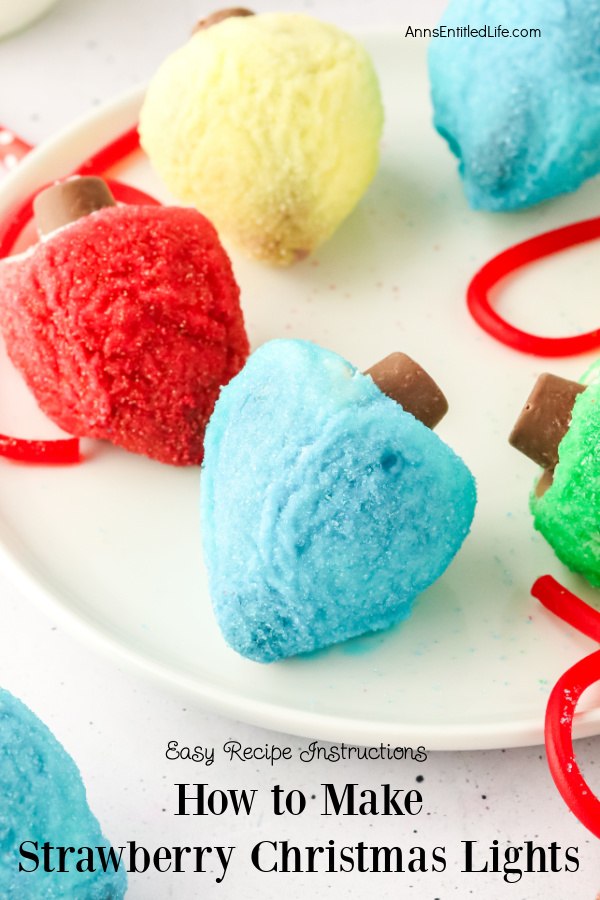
(114, 543)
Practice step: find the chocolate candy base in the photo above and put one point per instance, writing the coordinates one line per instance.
(568, 512)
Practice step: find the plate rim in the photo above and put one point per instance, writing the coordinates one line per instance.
(266, 714)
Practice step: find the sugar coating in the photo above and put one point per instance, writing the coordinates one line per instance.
(43, 799)
(270, 125)
(326, 509)
(125, 324)
(521, 114)
(592, 374)
(568, 513)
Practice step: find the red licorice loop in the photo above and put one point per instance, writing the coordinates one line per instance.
(567, 776)
(64, 451)
(19, 217)
(567, 606)
(510, 261)
(60, 452)
(563, 701)
(113, 152)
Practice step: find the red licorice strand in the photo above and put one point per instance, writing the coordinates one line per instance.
(560, 711)
(111, 153)
(13, 224)
(567, 606)
(20, 216)
(510, 261)
(127, 193)
(64, 451)
(558, 733)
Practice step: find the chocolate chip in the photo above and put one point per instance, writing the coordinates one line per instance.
(545, 419)
(402, 379)
(68, 201)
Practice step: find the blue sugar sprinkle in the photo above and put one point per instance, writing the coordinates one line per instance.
(43, 799)
(522, 114)
(326, 509)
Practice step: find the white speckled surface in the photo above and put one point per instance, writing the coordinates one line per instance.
(82, 53)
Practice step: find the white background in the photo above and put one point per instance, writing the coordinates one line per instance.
(117, 725)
